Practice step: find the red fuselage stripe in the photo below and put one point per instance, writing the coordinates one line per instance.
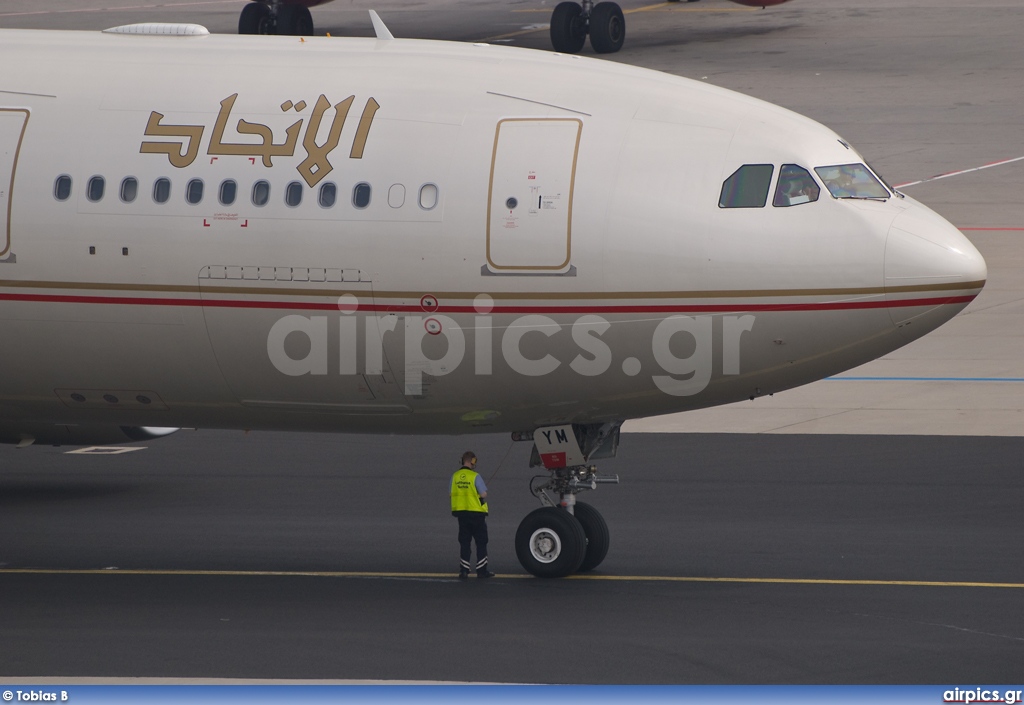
(385, 308)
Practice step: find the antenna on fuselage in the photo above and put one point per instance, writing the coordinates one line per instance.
(379, 27)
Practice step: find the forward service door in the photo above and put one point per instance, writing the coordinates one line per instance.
(529, 210)
(12, 130)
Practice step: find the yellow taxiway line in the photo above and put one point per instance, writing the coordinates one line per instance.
(507, 576)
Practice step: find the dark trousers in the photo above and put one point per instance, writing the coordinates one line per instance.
(472, 527)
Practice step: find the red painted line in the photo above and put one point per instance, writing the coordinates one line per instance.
(384, 308)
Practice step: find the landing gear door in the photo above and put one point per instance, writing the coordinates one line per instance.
(12, 130)
(557, 447)
(529, 209)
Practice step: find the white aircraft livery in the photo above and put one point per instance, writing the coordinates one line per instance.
(398, 236)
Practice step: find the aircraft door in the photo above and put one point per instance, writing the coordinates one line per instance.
(12, 131)
(529, 209)
(299, 339)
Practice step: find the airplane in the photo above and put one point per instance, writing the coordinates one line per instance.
(390, 236)
(571, 22)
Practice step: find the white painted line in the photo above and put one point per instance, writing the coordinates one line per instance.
(104, 450)
(960, 173)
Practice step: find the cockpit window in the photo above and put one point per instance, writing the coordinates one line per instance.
(796, 186)
(851, 181)
(747, 187)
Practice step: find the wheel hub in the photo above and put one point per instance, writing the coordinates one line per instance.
(545, 545)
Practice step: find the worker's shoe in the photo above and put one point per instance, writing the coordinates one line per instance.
(485, 573)
(463, 574)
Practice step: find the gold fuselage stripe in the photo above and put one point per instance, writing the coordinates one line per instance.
(272, 289)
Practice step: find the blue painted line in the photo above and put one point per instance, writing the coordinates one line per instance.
(924, 379)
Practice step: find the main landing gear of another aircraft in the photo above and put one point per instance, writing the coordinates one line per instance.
(571, 23)
(565, 536)
(275, 18)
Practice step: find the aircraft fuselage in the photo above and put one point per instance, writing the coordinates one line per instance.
(421, 237)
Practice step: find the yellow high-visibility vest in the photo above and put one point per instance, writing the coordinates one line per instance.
(464, 494)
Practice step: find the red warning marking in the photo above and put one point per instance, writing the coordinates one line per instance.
(429, 303)
(213, 159)
(252, 160)
(433, 326)
(245, 224)
(205, 224)
(553, 460)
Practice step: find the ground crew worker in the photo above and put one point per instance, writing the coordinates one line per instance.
(469, 506)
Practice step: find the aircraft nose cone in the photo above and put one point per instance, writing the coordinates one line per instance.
(931, 270)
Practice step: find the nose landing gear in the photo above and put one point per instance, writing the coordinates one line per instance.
(565, 536)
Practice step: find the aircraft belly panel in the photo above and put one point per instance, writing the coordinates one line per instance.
(298, 339)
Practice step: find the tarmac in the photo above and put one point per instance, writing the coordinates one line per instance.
(733, 559)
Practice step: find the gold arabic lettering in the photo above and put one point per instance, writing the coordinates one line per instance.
(266, 149)
(178, 154)
(313, 168)
(316, 165)
(359, 143)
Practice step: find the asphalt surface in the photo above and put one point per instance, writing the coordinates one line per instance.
(335, 557)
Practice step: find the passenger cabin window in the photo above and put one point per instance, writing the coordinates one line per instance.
(796, 186)
(129, 189)
(94, 189)
(62, 187)
(428, 196)
(194, 191)
(396, 196)
(162, 190)
(361, 195)
(293, 194)
(227, 192)
(328, 195)
(747, 187)
(260, 193)
(851, 181)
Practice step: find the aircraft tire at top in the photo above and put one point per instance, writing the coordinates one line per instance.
(607, 28)
(255, 19)
(550, 543)
(294, 20)
(568, 28)
(595, 528)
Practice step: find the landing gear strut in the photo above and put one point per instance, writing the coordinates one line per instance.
(572, 22)
(275, 17)
(565, 536)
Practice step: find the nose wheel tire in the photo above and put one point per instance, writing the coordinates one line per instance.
(596, 530)
(568, 28)
(550, 543)
(607, 28)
